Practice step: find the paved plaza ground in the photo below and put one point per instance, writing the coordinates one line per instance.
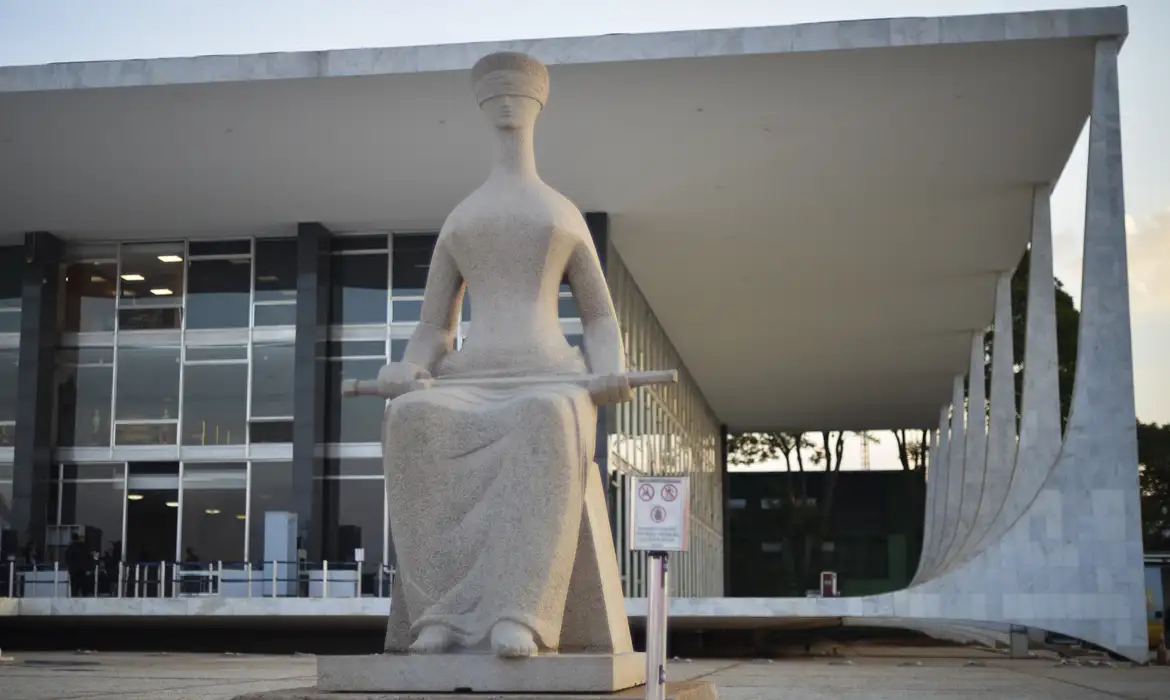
(869, 673)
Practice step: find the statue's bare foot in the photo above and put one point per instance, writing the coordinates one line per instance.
(433, 639)
(512, 640)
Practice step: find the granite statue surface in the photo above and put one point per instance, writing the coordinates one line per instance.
(496, 508)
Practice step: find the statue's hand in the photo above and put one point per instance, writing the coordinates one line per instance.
(398, 378)
(610, 388)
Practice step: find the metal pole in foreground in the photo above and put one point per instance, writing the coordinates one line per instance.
(656, 613)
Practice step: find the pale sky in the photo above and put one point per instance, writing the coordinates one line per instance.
(51, 31)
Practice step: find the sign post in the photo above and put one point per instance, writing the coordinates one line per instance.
(661, 514)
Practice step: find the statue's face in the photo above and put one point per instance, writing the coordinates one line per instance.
(511, 111)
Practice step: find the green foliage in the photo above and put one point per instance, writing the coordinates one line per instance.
(1068, 320)
(1154, 464)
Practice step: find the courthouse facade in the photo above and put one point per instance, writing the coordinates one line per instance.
(815, 224)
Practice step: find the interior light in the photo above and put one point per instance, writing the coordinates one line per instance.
(94, 278)
(133, 277)
(135, 497)
(212, 511)
(163, 292)
(172, 504)
(241, 516)
(170, 258)
(267, 278)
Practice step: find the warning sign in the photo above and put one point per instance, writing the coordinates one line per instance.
(661, 513)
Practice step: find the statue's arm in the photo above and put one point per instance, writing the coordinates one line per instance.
(603, 339)
(434, 336)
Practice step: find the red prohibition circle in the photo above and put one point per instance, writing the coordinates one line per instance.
(669, 492)
(646, 492)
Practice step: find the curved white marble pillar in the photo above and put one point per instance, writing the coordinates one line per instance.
(948, 520)
(1071, 562)
(1001, 432)
(975, 453)
(936, 483)
(1039, 441)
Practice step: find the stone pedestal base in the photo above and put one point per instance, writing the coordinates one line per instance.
(687, 690)
(481, 673)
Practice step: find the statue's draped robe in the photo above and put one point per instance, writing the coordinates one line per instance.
(469, 470)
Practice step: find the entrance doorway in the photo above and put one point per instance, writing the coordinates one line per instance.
(152, 523)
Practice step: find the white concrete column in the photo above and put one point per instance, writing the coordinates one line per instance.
(1098, 475)
(935, 485)
(975, 451)
(1001, 434)
(1040, 437)
(956, 457)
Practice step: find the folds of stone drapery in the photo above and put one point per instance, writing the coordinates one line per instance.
(1045, 532)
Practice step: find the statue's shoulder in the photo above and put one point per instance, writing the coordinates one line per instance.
(562, 213)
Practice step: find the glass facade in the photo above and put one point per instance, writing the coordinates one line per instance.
(666, 429)
(175, 394)
(11, 274)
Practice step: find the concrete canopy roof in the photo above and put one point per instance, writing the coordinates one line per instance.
(817, 213)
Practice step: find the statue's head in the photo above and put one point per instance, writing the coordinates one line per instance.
(511, 88)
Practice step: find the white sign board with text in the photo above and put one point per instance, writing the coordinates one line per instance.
(661, 507)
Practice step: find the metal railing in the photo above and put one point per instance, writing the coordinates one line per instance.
(269, 579)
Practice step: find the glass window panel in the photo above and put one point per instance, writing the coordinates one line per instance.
(148, 383)
(465, 311)
(84, 393)
(272, 380)
(360, 505)
(10, 319)
(98, 507)
(90, 472)
(359, 284)
(348, 243)
(406, 310)
(218, 293)
(276, 269)
(150, 319)
(567, 308)
(144, 434)
(271, 431)
(274, 315)
(272, 491)
(215, 404)
(214, 513)
(6, 497)
(354, 466)
(216, 352)
(152, 274)
(397, 349)
(356, 348)
(355, 418)
(90, 295)
(412, 260)
(240, 247)
(11, 277)
(9, 359)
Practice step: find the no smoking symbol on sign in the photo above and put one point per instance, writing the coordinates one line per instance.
(658, 514)
(669, 492)
(646, 492)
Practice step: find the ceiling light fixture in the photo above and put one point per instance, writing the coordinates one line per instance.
(241, 516)
(172, 504)
(170, 258)
(135, 497)
(133, 277)
(94, 278)
(212, 511)
(164, 292)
